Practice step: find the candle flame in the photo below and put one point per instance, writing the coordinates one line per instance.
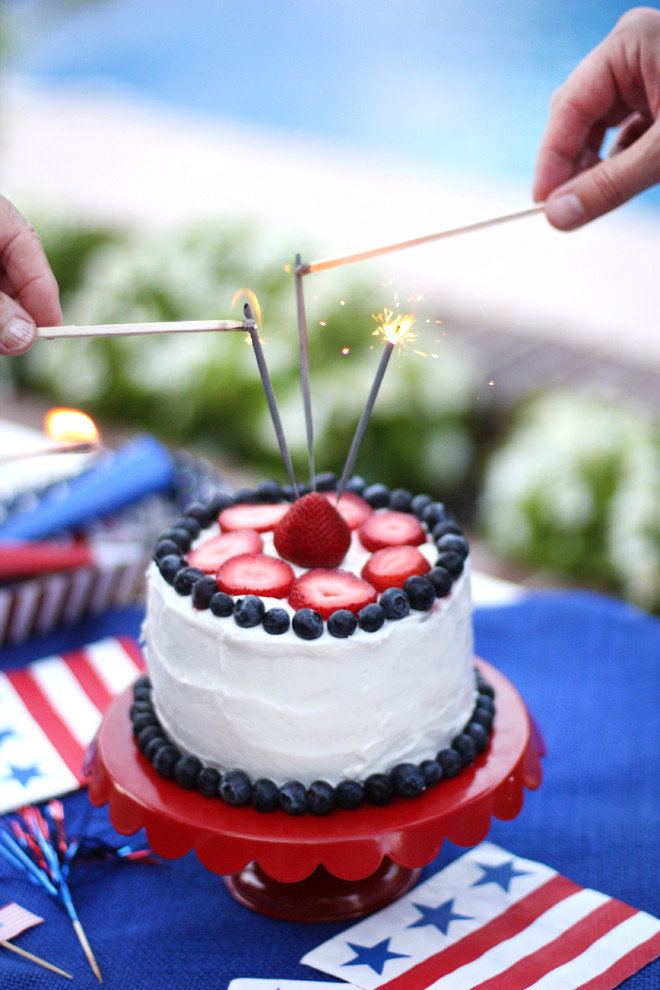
(252, 299)
(395, 329)
(70, 426)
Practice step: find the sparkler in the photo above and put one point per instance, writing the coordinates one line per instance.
(304, 367)
(394, 332)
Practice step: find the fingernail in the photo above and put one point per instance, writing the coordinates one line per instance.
(565, 211)
(17, 335)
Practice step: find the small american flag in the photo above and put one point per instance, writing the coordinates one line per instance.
(50, 711)
(14, 919)
(494, 921)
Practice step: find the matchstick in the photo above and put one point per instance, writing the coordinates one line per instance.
(35, 959)
(82, 447)
(347, 259)
(138, 329)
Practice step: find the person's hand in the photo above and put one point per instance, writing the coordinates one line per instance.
(617, 84)
(29, 296)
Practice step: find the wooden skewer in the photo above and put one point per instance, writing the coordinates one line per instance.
(35, 959)
(82, 938)
(347, 259)
(137, 329)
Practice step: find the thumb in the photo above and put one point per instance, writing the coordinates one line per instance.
(608, 184)
(17, 329)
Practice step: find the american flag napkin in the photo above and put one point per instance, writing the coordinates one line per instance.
(494, 921)
(14, 919)
(50, 711)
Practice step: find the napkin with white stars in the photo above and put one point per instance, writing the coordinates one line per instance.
(491, 921)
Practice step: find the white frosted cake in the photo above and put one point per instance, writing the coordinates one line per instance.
(309, 658)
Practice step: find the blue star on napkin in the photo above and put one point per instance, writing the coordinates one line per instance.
(374, 956)
(440, 916)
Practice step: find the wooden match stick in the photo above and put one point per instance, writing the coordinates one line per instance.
(137, 329)
(82, 447)
(347, 259)
(35, 959)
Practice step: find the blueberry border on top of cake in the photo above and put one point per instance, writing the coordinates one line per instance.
(235, 788)
(418, 592)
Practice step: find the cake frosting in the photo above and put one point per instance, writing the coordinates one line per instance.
(285, 708)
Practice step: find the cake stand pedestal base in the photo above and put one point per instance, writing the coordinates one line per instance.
(309, 868)
(321, 896)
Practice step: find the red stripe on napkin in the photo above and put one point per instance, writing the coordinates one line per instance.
(47, 717)
(133, 650)
(624, 967)
(89, 680)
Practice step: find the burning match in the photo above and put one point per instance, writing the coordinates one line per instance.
(72, 431)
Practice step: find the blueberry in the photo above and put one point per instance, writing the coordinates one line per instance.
(142, 720)
(180, 536)
(378, 789)
(265, 795)
(220, 501)
(371, 617)
(144, 736)
(441, 580)
(201, 513)
(433, 514)
(249, 611)
(320, 797)
(185, 579)
(431, 772)
(188, 523)
(293, 798)
(450, 761)
(452, 562)
(483, 716)
(349, 794)
(288, 493)
(186, 772)
(342, 623)
(165, 759)
(235, 788)
(400, 500)
(395, 603)
(407, 780)
(154, 746)
(169, 566)
(419, 503)
(465, 747)
(208, 782)
(356, 484)
(486, 701)
(142, 692)
(141, 705)
(378, 496)
(420, 592)
(276, 621)
(221, 604)
(307, 624)
(269, 491)
(249, 496)
(327, 481)
(448, 526)
(484, 687)
(479, 735)
(453, 543)
(143, 682)
(203, 591)
(165, 548)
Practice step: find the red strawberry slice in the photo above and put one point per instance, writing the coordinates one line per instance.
(326, 590)
(312, 533)
(353, 508)
(389, 568)
(391, 529)
(261, 518)
(255, 574)
(208, 556)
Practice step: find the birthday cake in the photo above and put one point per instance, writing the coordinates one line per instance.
(310, 654)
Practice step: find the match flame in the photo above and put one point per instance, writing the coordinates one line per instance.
(395, 329)
(252, 299)
(70, 426)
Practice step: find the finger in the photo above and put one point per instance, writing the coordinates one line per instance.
(26, 267)
(631, 130)
(608, 184)
(17, 329)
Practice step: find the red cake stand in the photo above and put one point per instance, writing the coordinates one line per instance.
(309, 868)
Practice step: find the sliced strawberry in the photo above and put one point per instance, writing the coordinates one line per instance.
(255, 574)
(326, 590)
(353, 508)
(312, 533)
(261, 518)
(391, 529)
(208, 556)
(389, 568)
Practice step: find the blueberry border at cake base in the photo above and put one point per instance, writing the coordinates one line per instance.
(288, 866)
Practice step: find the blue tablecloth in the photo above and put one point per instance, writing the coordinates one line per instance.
(589, 669)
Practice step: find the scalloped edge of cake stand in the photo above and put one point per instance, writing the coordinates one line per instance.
(308, 868)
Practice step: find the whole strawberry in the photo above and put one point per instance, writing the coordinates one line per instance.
(312, 533)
